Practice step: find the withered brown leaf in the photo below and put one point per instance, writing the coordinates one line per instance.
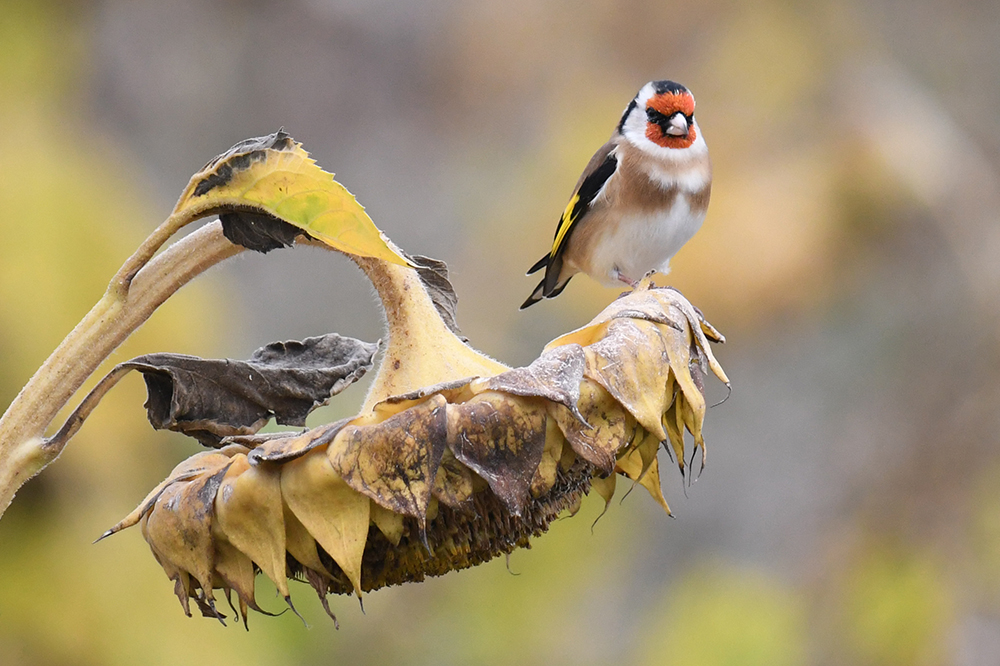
(211, 398)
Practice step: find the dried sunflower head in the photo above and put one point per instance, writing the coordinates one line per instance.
(444, 477)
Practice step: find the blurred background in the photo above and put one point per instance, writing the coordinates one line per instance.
(850, 509)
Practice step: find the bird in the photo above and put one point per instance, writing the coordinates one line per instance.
(642, 196)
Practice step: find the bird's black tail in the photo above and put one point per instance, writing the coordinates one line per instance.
(539, 293)
(536, 296)
(539, 265)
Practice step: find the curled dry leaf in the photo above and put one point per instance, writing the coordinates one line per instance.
(210, 398)
(441, 478)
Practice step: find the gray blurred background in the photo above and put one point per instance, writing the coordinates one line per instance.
(850, 509)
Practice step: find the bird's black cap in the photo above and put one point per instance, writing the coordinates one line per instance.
(662, 87)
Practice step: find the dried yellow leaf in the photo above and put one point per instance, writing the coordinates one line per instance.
(598, 443)
(248, 510)
(388, 522)
(333, 512)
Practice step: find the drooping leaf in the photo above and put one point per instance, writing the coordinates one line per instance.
(434, 274)
(395, 462)
(501, 438)
(259, 232)
(273, 176)
(333, 512)
(210, 399)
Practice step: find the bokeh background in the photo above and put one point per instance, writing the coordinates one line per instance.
(850, 510)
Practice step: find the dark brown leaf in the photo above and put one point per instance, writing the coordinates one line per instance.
(210, 399)
(258, 231)
(434, 274)
(501, 438)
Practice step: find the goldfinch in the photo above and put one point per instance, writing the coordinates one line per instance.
(642, 196)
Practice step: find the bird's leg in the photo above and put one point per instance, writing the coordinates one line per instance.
(621, 277)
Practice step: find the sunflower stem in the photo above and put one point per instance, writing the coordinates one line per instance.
(422, 351)
(141, 286)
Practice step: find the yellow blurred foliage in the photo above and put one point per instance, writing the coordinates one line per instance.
(898, 608)
(722, 615)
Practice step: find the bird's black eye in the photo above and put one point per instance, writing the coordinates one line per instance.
(657, 118)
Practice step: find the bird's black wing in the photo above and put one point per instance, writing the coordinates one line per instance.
(602, 166)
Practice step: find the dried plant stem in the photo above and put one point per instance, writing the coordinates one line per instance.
(422, 351)
(140, 287)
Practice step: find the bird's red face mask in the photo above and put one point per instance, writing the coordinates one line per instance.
(670, 120)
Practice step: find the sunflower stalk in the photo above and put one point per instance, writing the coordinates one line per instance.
(24, 451)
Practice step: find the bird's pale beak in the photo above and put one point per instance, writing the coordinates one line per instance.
(678, 125)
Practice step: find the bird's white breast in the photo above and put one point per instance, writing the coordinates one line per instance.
(642, 242)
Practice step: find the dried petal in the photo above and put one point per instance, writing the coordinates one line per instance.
(248, 510)
(501, 438)
(631, 466)
(453, 485)
(605, 487)
(290, 447)
(236, 571)
(629, 363)
(545, 475)
(598, 444)
(555, 376)
(388, 522)
(330, 510)
(300, 544)
(196, 465)
(180, 524)
(394, 462)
